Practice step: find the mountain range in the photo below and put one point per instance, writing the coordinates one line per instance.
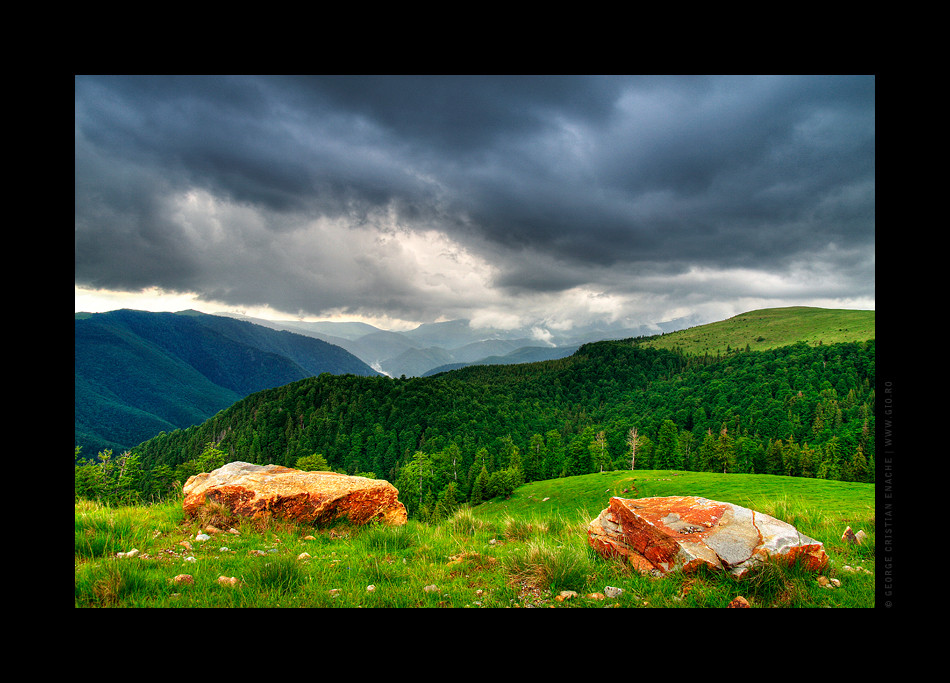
(436, 347)
(139, 373)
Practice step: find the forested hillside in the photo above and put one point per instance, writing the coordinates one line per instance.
(798, 410)
(139, 373)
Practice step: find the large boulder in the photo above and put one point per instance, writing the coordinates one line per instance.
(248, 490)
(660, 535)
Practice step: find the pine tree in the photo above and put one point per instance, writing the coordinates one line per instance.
(807, 461)
(725, 451)
(448, 502)
(791, 456)
(554, 462)
(707, 452)
(859, 465)
(480, 487)
(666, 453)
(534, 459)
(131, 479)
(773, 457)
(684, 443)
(598, 451)
(482, 461)
(414, 483)
(834, 458)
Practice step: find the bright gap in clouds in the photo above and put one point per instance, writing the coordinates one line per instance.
(395, 277)
(157, 300)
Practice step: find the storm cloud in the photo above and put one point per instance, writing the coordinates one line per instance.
(520, 198)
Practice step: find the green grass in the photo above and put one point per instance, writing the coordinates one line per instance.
(772, 328)
(520, 552)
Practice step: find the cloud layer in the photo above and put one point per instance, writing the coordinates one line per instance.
(523, 199)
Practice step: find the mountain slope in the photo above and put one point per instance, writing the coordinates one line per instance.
(525, 354)
(139, 373)
(771, 328)
(801, 410)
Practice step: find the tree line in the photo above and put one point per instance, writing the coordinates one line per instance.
(479, 432)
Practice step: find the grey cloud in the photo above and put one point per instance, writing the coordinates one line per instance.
(556, 181)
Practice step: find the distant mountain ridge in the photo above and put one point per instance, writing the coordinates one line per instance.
(139, 373)
(435, 347)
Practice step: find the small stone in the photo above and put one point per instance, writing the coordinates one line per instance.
(234, 531)
(202, 537)
(309, 537)
(860, 537)
(186, 545)
(228, 580)
(183, 578)
(131, 553)
(613, 591)
(371, 588)
(303, 556)
(848, 536)
(190, 559)
(596, 596)
(739, 602)
(212, 530)
(431, 588)
(224, 549)
(565, 595)
(334, 592)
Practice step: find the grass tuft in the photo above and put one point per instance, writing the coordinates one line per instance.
(544, 566)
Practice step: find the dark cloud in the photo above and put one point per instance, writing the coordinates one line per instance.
(291, 190)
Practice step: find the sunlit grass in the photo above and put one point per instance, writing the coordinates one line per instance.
(520, 552)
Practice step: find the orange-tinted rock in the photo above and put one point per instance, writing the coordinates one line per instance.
(739, 602)
(660, 535)
(248, 490)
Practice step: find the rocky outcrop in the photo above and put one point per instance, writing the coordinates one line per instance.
(661, 535)
(247, 490)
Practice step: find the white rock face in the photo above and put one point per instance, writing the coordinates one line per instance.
(660, 535)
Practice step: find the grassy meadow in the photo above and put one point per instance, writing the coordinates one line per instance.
(520, 552)
(771, 328)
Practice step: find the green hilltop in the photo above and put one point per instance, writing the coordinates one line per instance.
(771, 328)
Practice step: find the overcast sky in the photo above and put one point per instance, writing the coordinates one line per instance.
(508, 200)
